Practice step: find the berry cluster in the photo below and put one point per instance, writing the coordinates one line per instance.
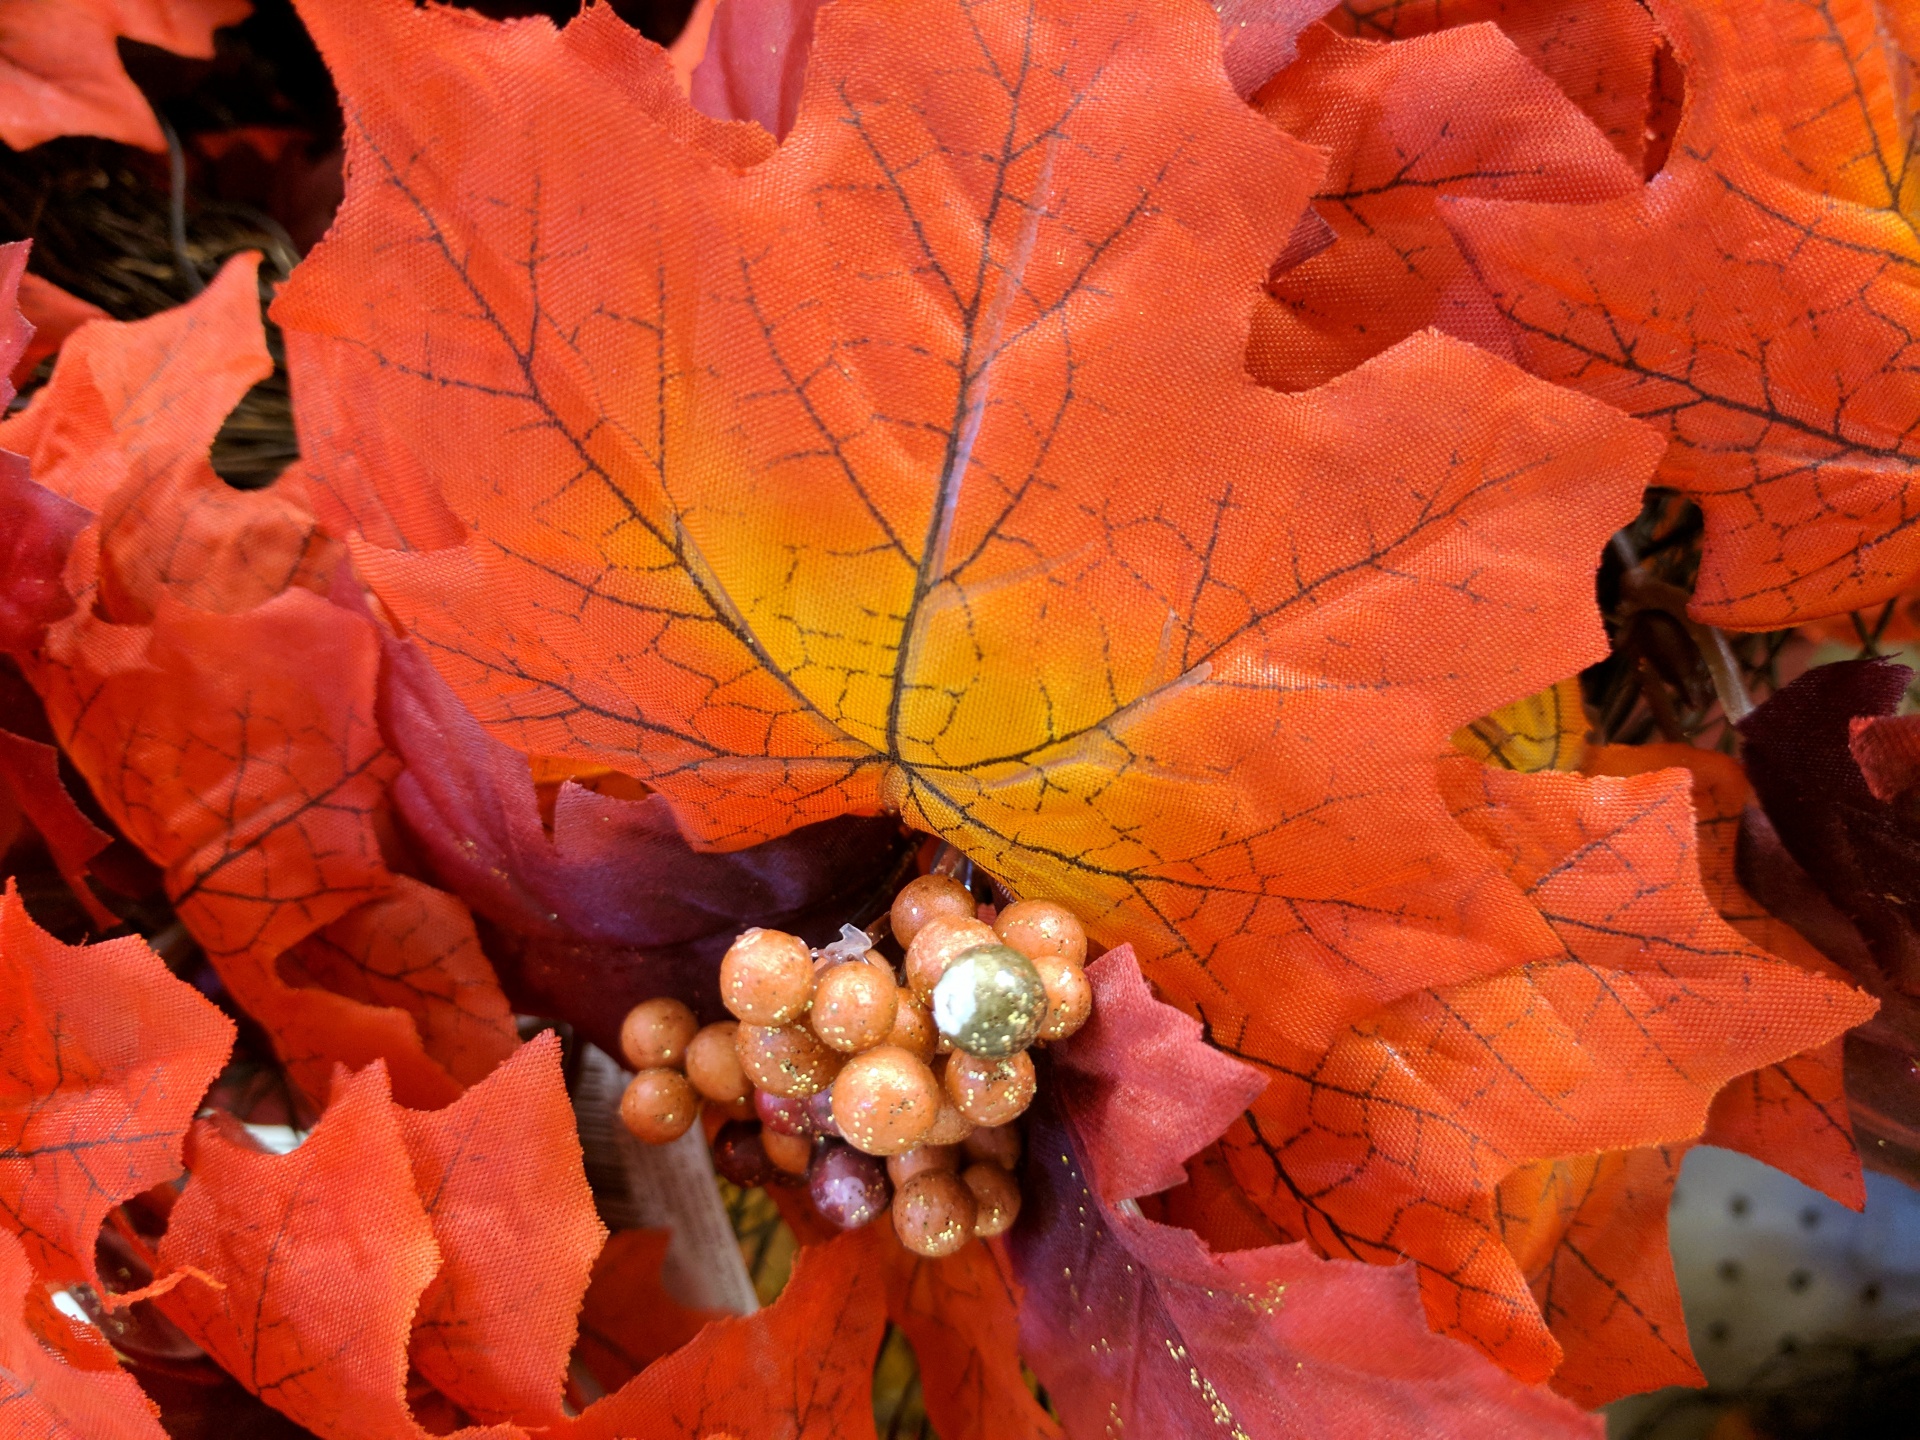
(883, 1087)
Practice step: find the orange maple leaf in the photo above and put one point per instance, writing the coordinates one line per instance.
(1793, 1116)
(223, 711)
(461, 1238)
(106, 1056)
(45, 1398)
(1395, 1139)
(1461, 112)
(60, 73)
(1599, 52)
(501, 1176)
(864, 476)
(1756, 299)
(961, 1314)
(801, 1369)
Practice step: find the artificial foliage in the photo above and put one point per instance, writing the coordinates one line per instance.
(1317, 492)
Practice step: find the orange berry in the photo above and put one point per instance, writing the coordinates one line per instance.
(766, 977)
(996, 1198)
(933, 1213)
(921, 899)
(1040, 927)
(912, 1026)
(996, 1144)
(787, 1152)
(885, 1100)
(854, 1006)
(908, 1163)
(655, 1034)
(1069, 996)
(785, 1059)
(714, 1067)
(938, 944)
(988, 1091)
(659, 1105)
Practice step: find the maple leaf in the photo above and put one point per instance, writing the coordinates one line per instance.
(601, 903)
(628, 1320)
(54, 314)
(223, 712)
(1459, 113)
(1647, 1004)
(800, 1369)
(1145, 1088)
(1590, 1232)
(461, 1238)
(30, 771)
(321, 1256)
(1855, 853)
(1792, 1116)
(43, 1397)
(752, 54)
(501, 1175)
(61, 75)
(961, 1315)
(783, 478)
(106, 1058)
(1754, 299)
(1133, 1324)
(1600, 53)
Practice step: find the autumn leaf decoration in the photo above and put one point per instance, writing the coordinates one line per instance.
(1153, 457)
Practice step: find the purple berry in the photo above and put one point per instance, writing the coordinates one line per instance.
(849, 1189)
(739, 1156)
(784, 1116)
(820, 1112)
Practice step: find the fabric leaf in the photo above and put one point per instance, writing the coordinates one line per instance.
(601, 903)
(1622, 1037)
(961, 1315)
(44, 1398)
(1792, 1116)
(1460, 113)
(1754, 300)
(1599, 52)
(224, 713)
(501, 1175)
(1144, 1086)
(61, 75)
(1134, 1325)
(801, 1369)
(1591, 1235)
(321, 1257)
(106, 1058)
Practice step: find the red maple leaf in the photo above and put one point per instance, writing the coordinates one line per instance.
(1753, 301)
(44, 1397)
(106, 1056)
(61, 75)
(224, 712)
(461, 1239)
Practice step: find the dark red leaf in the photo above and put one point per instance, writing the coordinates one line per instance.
(1135, 1328)
(1862, 853)
(611, 905)
(1144, 1087)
